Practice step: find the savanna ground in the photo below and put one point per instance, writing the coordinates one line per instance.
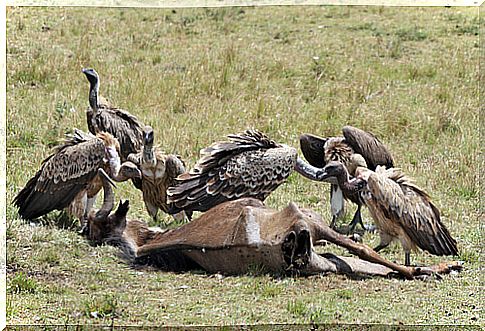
(409, 75)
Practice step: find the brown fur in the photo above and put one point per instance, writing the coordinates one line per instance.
(237, 235)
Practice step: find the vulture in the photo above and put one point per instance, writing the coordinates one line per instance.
(102, 117)
(320, 151)
(400, 209)
(68, 178)
(158, 172)
(249, 165)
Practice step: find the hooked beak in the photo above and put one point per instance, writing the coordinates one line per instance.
(323, 175)
(148, 136)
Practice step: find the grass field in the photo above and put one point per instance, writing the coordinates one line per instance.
(408, 75)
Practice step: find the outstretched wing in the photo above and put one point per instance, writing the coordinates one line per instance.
(312, 147)
(409, 206)
(62, 176)
(250, 165)
(123, 126)
(366, 144)
(220, 152)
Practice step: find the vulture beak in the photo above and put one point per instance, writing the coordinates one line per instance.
(148, 136)
(324, 175)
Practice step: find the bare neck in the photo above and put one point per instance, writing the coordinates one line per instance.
(93, 95)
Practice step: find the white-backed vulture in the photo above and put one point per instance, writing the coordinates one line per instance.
(400, 209)
(158, 171)
(102, 117)
(248, 165)
(69, 176)
(319, 151)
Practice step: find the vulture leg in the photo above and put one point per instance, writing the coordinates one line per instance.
(381, 246)
(152, 210)
(336, 204)
(357, 219)
(333, 224)
(407, 259)
(89, 205)
(180, 217)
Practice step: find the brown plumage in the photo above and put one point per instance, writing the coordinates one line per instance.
(102, 117)
(403, 211)
(159, 171)
(320, 151)
(70, 175)
(248, 165)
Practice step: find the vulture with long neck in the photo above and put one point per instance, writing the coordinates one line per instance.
(249, 165)
(102, 117)
(400, 209)
(158, 173)
(320, 151)
(68, 178)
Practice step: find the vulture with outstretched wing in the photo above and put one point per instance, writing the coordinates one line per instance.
(69, 176)
(319, 151)
(248, 165)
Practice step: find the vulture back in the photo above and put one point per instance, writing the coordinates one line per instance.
(249, 165)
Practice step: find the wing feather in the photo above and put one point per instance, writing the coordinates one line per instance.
(410, 207)
(253, 166)
(123, 126)
(62, 176)
(366, 144)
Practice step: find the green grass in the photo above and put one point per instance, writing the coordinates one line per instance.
(196, 75)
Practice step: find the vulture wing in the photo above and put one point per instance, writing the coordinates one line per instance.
(174, 166)
(366, 144)
(312, 147)
(62, 176)
(250, 165)
(123, 126)
(409, 206)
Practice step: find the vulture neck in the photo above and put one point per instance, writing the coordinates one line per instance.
(148, 155)
(108, 201)
(93, 95)
(114, 162)
(345, 184)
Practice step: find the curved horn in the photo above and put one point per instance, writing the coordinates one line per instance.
(108, 201)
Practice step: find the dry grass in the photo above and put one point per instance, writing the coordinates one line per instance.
(408, 75)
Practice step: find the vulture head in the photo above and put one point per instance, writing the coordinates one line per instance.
(148, 154)
(91, 75)
(128, 170)
(337, 170)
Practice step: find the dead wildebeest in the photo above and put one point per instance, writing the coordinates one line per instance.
(235, 236)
